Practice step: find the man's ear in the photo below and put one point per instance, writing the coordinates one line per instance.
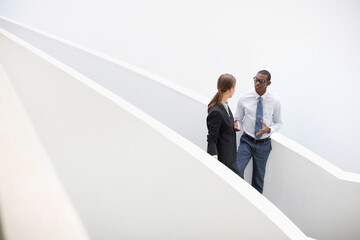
(269, 83)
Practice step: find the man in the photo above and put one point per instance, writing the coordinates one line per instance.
(258, 115)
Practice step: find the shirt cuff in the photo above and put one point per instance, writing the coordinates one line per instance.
(272, 130)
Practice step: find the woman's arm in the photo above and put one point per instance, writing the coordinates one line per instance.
(213, 121)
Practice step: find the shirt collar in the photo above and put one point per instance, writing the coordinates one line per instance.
(225, 104)
(263, 96)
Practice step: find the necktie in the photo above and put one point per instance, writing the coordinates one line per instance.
(259, 116)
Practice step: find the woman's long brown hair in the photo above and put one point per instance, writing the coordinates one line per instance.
(225, 82)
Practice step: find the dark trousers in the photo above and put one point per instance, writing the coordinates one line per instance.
(259, 152)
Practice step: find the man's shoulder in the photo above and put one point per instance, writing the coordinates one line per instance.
(273, 96)
(247, 95)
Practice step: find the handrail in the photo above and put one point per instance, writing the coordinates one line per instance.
(174, 86)
(279, 177)
(123, 79)
(316, 159)
(33, 202)
(119, 185)
(320, 198)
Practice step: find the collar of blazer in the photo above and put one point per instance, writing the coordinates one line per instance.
(230, 118)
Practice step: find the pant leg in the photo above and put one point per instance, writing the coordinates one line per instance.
(243, 155)
(260, 157)
(234, 168)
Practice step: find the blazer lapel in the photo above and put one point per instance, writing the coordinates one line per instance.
(231, 115)
(230, 118)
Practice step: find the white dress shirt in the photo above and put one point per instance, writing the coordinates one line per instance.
(226, 106)
(246, 113)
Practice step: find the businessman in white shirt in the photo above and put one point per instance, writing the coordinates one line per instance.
(258, 115)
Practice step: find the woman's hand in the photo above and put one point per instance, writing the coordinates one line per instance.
(236, 126)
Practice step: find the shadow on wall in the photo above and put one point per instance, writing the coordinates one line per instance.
(184, 115)
(1, 228)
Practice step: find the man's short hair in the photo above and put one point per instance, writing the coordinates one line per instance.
(265, 72)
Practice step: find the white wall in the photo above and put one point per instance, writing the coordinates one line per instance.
(301, 184)
(311, 48)
(186, 115)
(318, 197)
(129, 176)
(171, 105)
(34, 205)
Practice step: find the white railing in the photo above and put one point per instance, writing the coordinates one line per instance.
(321, 199)
(127, 175)
(34, 205)
(297, 181)
(163, 100)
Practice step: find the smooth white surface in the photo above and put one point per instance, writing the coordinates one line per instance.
(174, 106)
(34, 204)
(317, 166)
(320, 198)
(128, 175)
(310, 47)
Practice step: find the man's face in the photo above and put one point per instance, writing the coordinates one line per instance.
(260, 87)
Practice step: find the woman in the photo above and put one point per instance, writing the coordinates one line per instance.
(220, 122)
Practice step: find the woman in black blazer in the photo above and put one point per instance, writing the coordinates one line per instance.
(220, 123)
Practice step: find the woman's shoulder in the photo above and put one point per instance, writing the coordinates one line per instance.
(215, 115)
(215, 112)
(215, 108)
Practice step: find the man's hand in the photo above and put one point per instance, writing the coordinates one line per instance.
(236, 126)
(264, 130)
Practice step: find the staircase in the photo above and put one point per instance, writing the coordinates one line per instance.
(130, 163)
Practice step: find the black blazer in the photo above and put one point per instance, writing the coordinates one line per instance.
(221, 136)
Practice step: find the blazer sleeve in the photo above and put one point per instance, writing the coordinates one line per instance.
(213, 121)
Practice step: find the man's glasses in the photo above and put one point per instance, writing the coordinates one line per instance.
(260, 80)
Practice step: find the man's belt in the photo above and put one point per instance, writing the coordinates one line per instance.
(255, 139)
